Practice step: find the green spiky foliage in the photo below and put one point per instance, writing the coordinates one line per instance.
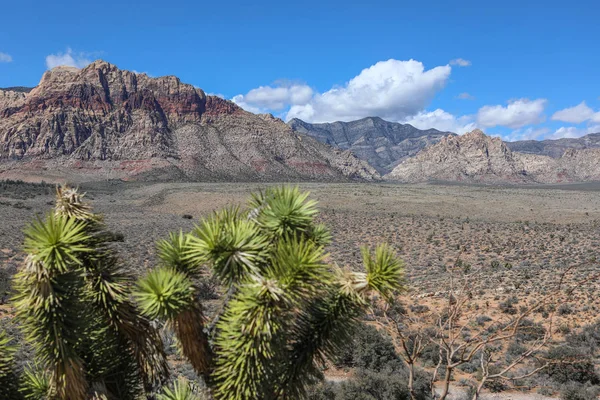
(286, 310)
(73, 300)
(180, 390)
(36, 384)
(8, 376)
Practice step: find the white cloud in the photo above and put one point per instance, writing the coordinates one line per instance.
(391, 89)
(266, 98)
(5, 58)
(465, 96)
(68, 58)
(517, 114)
(526, 134)
(443, 121)
(461, 62)
(573, 132)
(574, 115)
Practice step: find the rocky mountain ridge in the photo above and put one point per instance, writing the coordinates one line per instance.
(102, 122)
(476, 157)
(555, 148)
(381, 143)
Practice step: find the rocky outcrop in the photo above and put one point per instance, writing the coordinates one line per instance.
(381, 143)
(555, 148)
(476, 157)
(10, 98)
(103, 121)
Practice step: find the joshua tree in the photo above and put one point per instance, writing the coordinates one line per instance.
(285, 309)
(74, 303)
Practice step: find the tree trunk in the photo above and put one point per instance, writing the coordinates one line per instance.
(446, 387)
(411, 381)
(479, 388)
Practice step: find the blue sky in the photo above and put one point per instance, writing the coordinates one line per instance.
(520, 69)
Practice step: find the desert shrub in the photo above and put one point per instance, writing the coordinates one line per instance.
(588, 339)
(419, 308)
(322, 391)
(508, 305)
(369, 349)
(545, 391)
(513, 350)
(382, 385)
(482, 319)
(564, 309)
(578, 391)
(470, 367)
(430, 355)
(495, 385)
(577, 366)
(530, 330)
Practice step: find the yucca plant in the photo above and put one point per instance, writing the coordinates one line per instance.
(180, 390)
(74, 304)
(285, 311)
(8, 373)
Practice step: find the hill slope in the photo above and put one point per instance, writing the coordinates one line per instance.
(555, 148)
(102, 122)
(381, 143)
(476, 157)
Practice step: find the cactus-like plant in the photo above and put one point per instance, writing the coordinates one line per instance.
(74, 304)
(286, 309)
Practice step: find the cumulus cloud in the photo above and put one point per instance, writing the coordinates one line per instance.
(516, 114)
(442, 121)
(68, 58)
(391, 89)
(266, 98)
(574, 115)
(5, 58)
(461, 62)
(577, 114)
(526, 134)
(573, 132)
(465, 96)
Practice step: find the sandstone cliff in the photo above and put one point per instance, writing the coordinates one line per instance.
(101, 122)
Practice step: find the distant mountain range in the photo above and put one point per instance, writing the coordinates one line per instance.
(381, 143)
(555, 148)
(476, 157)
(102, 122)
(405, 153)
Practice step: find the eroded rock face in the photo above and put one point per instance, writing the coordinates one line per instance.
(101, 117)
(476, 157)
(381, 143)
(555, 148)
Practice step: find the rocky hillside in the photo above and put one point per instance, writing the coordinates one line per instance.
(381, 143)
(555, 148)
(103, 122)
(476, 157)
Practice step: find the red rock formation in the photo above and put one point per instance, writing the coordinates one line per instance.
(104, 116)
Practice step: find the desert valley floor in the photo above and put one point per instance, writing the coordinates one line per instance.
(535, 229)
(521, 237)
